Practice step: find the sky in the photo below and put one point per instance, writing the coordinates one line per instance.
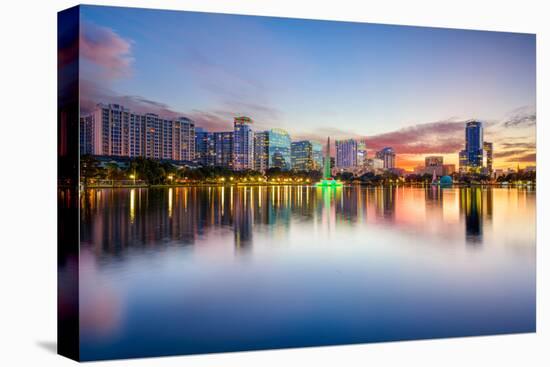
(411, 88)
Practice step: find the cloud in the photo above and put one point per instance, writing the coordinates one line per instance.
(92, 93)
(440, 137)
(521, 117)
(523, 145)
(434, 137)
(211, 121)
(261, 111)
(107, 57)
(107, 53)
(428, 138)
(509, 153)
(530, 158)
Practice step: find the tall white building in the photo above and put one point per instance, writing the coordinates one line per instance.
(116, 131)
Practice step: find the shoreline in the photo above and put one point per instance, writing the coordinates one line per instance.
(263, 184)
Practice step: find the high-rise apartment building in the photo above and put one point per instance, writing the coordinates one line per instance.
(110, 127)
(243, 144)
(136, 133)
(183, 139)
(116, 131)
(261, 151)
(346, 153)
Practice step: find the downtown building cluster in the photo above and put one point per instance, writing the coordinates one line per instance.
(115, 131)
(351, 156)
(476, 157)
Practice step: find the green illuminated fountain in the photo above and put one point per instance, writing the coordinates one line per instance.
(328, 180)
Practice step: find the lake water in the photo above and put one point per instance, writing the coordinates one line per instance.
(213, 269)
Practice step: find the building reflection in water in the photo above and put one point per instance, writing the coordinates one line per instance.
(434, 196)
(476, 204)
(434, 206)
(115, 219)
(384, 199)
(243, 218)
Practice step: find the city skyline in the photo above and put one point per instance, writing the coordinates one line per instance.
(114, 130)
(285, 79)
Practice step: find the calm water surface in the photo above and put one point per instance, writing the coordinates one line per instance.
(193, 270)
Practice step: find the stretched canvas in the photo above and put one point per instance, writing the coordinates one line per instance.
(232, 183)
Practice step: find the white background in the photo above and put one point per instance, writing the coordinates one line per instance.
(28, 183)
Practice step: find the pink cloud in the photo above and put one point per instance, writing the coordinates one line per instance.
(527, 158)
(106, 50)
(434, 137)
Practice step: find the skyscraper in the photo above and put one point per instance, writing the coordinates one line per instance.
(205, 147)
(307, 155)
(346, 153)
(180, 143)
(243, 144)
(272, 149)
(317, 153)
(387, 155)
(279, 149)
(223, 146)
(474, 144)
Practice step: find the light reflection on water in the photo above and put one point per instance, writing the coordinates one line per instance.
(192, 270)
